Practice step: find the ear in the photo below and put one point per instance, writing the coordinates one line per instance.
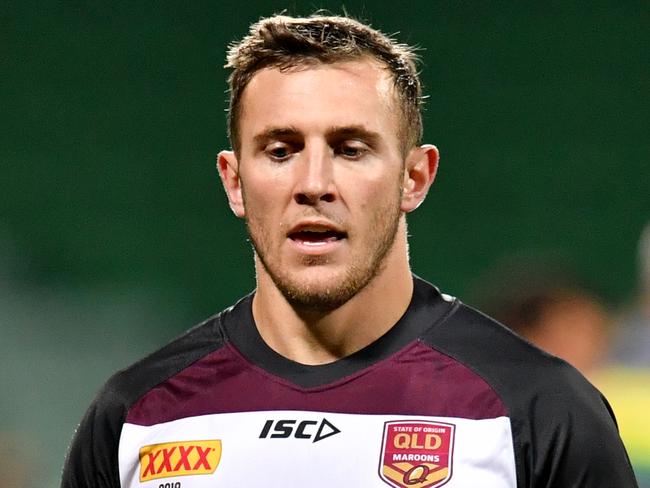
(228, 167)
(420, 170)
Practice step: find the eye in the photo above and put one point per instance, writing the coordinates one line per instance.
(278, 151)
(352, 149)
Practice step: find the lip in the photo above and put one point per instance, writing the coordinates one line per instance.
(304, 237)
(315, 225)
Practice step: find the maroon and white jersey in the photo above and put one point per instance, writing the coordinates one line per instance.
(447, 397)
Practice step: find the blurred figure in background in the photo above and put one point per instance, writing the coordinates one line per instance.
(626, 379)
(632, 345)
(549, 306)
(545, 303)
(14, 467)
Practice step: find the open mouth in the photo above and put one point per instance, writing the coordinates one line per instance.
(316, 237)
(314, 234)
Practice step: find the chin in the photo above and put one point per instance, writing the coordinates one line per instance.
(321, 290)
(319, 299)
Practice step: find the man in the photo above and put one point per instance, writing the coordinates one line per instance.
(342, 369)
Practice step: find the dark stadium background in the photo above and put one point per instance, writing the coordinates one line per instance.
(115, 235)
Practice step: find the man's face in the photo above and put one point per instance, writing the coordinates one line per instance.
(321, 175)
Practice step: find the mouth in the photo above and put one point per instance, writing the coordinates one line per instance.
(315, 235)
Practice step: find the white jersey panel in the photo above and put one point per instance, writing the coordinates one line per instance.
(281, 449)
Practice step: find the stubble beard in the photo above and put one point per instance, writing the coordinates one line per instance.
(361, 270)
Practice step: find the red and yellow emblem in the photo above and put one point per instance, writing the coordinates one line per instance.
(416, 454)
(179, 459)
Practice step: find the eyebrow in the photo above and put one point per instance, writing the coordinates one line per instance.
(275, 133)
(332, 133)
(353, 132)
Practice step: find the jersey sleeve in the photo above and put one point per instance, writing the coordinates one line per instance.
(564, 432)
(92, 459)
(576, 444)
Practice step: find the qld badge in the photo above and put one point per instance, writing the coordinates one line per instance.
(416, 454)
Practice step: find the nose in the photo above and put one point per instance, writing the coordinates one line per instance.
(315, 172)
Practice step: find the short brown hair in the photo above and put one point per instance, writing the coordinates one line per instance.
(285, 42)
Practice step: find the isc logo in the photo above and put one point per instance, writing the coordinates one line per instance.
(305, 429)
(179, 459)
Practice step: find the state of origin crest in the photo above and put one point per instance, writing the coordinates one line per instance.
(416, 454)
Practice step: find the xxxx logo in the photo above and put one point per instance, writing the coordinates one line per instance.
(179, 459)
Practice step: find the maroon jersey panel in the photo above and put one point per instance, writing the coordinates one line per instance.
(418, 380)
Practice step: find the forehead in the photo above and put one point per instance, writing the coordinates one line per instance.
(315, 96)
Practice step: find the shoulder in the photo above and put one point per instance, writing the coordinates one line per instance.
(127, 385)
(563, 428)
(524, 376)
(92, 456)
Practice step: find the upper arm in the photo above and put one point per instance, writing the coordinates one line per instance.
(92, 459)
(574, 442)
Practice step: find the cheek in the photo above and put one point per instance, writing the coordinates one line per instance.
(261, 195)
(381, 191)
(375, 204)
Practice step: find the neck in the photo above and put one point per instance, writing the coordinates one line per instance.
(319, 338)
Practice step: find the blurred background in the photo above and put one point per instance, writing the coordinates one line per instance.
(115, 235)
